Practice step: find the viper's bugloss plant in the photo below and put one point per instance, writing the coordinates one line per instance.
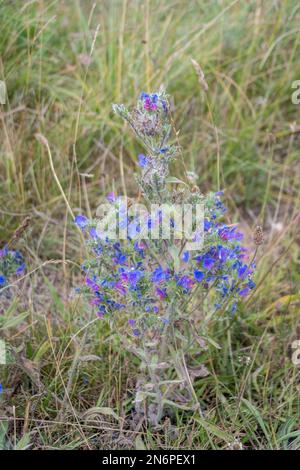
(11, 264)
(159, 295)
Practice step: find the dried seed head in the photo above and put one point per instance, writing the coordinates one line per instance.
(258, 235)
(21, 229)
(201, 76)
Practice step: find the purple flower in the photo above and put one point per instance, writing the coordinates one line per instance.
(186, 256)
(244, 292)
(162, 293)
(92, 284)
(164, 105)
(120, 258)
(3, 252)
(136, 332)
(132, 277)
(131, 322)
(120, 288)
(208, 262)
(93, 233)
(185, 282)
(96, 301)
(20, 269)
(142, 160)
(111, 197)
(150, 102)
(159, 275)
(147, 104)
(242, 271)
(230, 233)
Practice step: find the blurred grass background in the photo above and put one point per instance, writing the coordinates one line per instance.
(64, 63)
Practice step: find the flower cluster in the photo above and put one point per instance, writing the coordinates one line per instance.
(11, 263)
(150, 285)
(140, 278)
(153, 282)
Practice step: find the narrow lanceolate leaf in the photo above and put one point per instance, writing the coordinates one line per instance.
(174, 180)
(215, 430)
(13, 321)
(92, 413)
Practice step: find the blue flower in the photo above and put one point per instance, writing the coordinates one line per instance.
(120, 258)
(81, 221)
(242, 271)
(186, 282)
(208, 262)
(223, 253)
(234, 307)
(93, 233)
(20, 269)
(251, 284)
(162, 293)
(230, 233)
(143, 160)
(2, 280)
(244, 292)
(134, 277)
(144, 95)
(186, 256)
(159, 275)
(207, 225)
(199, 275)
(136, 332)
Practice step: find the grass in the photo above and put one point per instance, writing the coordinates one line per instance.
(249, 52)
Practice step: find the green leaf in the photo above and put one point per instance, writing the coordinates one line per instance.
(14, 321)
(215, 430)
(99, 410)
(24, 442)
(139, 443)
(174, 252)
(174, 180)
(3, 431)
(257, 416)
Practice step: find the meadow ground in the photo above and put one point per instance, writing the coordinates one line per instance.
(68, 382)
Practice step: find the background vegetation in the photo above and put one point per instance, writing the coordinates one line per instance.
(64, 64)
